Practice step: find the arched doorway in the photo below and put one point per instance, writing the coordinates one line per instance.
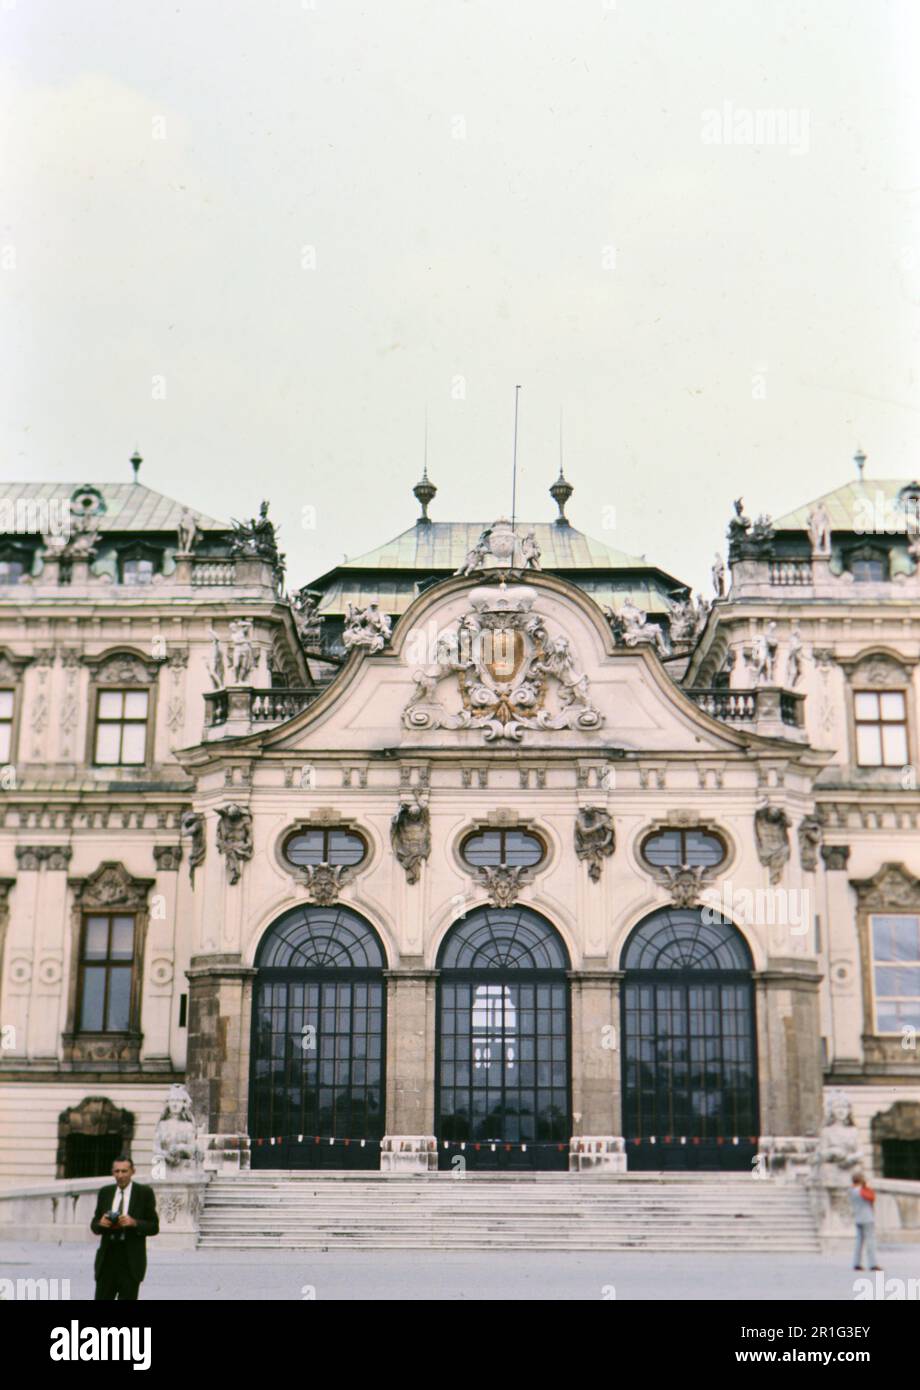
(318, 1044)
(502, 1082)
(689, 1044)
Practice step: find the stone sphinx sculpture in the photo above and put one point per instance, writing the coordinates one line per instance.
(175, 1139)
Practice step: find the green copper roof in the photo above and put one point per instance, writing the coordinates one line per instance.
(862, 505)
(444, 545)
(395, 595)
(128, 506)
(437, 549)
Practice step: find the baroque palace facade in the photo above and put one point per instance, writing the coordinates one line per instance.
(490, 842)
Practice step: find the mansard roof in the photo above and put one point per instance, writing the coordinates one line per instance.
(127, 506)
(431, 550)
(445, 545)
(849, 505)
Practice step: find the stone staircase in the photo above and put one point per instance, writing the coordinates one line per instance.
(485, 1211)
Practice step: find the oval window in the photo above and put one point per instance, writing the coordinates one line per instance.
(679, 848)
(329, 845)
(502, 848)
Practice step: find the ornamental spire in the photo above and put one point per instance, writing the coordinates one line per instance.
(425, 491)
(560, 492)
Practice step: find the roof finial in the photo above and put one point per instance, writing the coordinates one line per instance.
(859, 458)
(424, 489)
(136, 462)
(560, 492)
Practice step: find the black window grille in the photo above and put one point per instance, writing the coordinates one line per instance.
(318, 1043)
(503, 1042)
(689, 1051)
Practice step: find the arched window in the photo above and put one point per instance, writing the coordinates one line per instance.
(325, 845)
(680, 848)
(679, 939)
(502, 848)
(318, 1043)
(689, 1053)
(503, 1042)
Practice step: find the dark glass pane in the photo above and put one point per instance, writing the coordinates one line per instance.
(344, 848)
(522, 849)
(702, 849)
(307, 848)
(119, 999)
(483, 849)
(91, 1020)
(664, 849)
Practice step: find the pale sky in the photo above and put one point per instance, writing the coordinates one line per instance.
(258, 240)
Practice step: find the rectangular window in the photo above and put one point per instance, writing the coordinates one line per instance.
(881, 728)
(6, 725)
(896, 972)
(121, 728)
(106, 973)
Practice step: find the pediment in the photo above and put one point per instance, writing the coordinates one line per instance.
(530, 663)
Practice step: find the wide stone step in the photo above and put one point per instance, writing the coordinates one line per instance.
(558, 1211)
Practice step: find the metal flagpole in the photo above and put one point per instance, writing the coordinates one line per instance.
(514, 461)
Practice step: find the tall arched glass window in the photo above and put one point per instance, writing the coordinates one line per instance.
(503, 1042)
(318, 1044)
(689, 1044)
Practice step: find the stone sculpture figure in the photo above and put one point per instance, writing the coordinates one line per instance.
(718, 576)
(839, 1153)
(242, 651)
(234, 838)
(819, 530)
(771, 832)
(763, 655)
(192, 827)
(187, 530)
(530, 551)
(370, 629)
(307, 620)
(794, 655)
(811, 835)
(594, 838)
(175, 1139)
(215, 664)
(475, 557)
(684, 619)
(637, 629)
(410, 836)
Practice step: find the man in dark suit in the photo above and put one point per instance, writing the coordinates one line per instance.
(126, 1214)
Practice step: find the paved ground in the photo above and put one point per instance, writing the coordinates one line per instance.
(382, 1275)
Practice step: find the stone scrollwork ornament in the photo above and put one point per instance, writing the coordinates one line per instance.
(594, 838)
(410, 835)
(771, 832)
(175, 1139)
(234, 838)
(506, 665)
